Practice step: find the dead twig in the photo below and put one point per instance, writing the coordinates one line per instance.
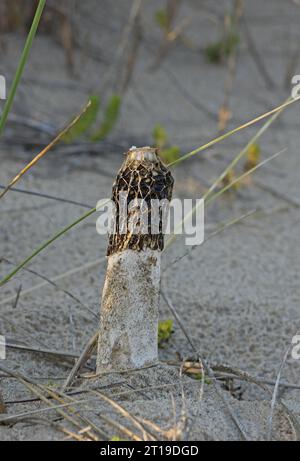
(62, 398)
(211, 236)
(262, 384)
(21, 328)
(275, 392)
(50, 197)
(68, 273)
(2, 405)
(126, 414)
(15, 304)
(256, 56)
(50, 282)
(278, 194)
(85, 355)
(46, 128)
(230, 23)
(177, 318)
(170, 32)
(232, 372)
(44, 151)
(39, 391)
(211, 375)
(65, 354)
(190, 98)
(115, 68)
(120, 427)
(134, 48)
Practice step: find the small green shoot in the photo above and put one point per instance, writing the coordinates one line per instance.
(230, 178)
(169, 154)
(165, 329)
(252, 156)
(83, 127)
(111, 116)
(198, 376)
(85, 122)
(160, 136)
(22, 63)
(217, 51)
(161, 18)
(52, 384)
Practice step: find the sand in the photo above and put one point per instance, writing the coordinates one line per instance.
(237, 295)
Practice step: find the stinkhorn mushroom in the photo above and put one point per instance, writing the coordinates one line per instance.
(130, 299)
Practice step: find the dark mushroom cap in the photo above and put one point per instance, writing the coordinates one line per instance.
(141, 179)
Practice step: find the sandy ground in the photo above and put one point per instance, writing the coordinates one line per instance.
(237, 295)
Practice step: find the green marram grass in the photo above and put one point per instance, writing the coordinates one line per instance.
(21, 65)
(84, 126)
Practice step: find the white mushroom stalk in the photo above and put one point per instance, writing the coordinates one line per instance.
(130, 299)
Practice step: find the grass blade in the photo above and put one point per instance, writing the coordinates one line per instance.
(213, 234)
(219, 193)
(235, 130)
(244, 151)
(47, 196)
(241, 177)
(45, 245)
(22, 63)
(55, 279)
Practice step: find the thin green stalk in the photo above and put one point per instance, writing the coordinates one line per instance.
(235, 130)
(45, 245)
(213, 234)
(244, 151)
(22, 63)
(218, 194)
(241, 177)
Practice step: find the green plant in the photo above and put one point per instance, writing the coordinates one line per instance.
(21, 65)
(252, 156)
(111, 116)
(83, 126)
(160, 137)
(217, 51)
(47, 243)
(230, 178)
(165, 329)
(161, 18)
(199, 377)
(85, 122)
(52, 384)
